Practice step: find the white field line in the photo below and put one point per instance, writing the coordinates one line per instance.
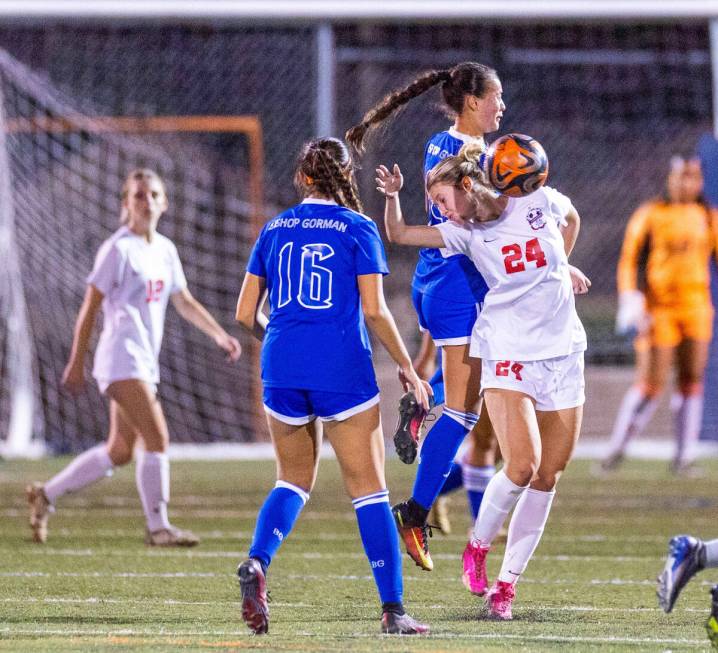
(353, 537)
(340, 577)
(590, 520)
(127, 632)
(278, 604)
(311, 555)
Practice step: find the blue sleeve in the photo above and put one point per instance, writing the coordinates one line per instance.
(256, 264)
(369, 254)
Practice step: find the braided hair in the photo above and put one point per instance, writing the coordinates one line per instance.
(326, 167)
(468, 78)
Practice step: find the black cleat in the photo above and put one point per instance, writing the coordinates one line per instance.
(253, 585)
(412, 416)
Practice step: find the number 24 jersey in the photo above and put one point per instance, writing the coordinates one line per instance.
(316, 338)
(529, 312)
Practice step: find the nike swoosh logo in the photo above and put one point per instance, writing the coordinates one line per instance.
(490, 240)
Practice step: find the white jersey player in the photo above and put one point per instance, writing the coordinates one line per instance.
(136, 272)
(529, 338)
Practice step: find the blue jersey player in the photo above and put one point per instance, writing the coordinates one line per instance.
(321, 263)
(447, 292)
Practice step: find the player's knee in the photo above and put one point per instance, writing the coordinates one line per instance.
(651, 389)
(690, 387)
(119, 455)
(546, 481)
(521, 471)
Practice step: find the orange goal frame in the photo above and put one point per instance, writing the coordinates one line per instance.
(244, 124)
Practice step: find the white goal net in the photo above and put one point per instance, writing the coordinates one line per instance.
(61, 171)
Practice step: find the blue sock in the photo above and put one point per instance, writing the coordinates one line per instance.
(475, 481)
(454, 480)
(437, 454)
(275, 520)
(381, 544)
(437, 385)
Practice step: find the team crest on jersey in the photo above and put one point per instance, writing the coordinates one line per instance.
(535, 218)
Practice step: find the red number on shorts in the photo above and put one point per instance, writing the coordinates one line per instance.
(503, 367)
(512, 262)
(513, 255)
(154, 290)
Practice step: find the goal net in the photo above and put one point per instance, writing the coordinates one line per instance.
(61, 171)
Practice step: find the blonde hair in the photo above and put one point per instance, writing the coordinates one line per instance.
(138, 174)
(468, 163)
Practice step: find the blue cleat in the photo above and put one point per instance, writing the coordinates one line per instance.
(686, 557)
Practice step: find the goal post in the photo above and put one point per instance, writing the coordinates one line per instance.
(61, 172)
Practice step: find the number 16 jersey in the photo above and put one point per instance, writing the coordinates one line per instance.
(529, 312)
(316, 338)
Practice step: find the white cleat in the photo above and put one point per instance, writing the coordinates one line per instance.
(171, 536)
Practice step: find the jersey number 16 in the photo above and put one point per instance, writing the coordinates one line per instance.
(315, 281)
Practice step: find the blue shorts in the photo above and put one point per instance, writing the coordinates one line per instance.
(303, 406)
(449, 323)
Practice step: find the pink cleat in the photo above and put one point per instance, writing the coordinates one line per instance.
(474, 562)
(499, 600)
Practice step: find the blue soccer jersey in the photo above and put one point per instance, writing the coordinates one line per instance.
(449, 277)
(316, 338)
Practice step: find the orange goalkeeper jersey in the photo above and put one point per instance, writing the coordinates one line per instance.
(679, 239)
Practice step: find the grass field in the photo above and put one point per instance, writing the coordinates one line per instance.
(95, 586)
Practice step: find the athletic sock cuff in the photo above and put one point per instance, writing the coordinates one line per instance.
(376, 497)
(467, 420)
(303, 495)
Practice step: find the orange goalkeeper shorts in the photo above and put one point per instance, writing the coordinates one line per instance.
(670, 326)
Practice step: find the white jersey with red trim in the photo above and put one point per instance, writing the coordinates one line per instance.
(529, 312)
(137, 278)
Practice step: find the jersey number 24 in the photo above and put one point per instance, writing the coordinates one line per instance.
(514, 256)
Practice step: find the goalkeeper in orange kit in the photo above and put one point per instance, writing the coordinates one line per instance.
(675, 236)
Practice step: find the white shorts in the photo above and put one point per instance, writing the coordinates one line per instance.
(103, 384)
(554, 384)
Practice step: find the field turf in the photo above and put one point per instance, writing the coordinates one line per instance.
(95, 586)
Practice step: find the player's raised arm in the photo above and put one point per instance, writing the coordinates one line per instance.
(389, 183)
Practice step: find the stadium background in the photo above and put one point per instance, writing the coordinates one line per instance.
(610, 102)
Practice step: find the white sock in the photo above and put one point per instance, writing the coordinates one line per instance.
(501, 495)
(476, 479)
(688, 415)
(89, 467)
(525, 530)
(634, 414)
(153, 483)
(711, 553)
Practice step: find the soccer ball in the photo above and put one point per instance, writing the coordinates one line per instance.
(517, 165)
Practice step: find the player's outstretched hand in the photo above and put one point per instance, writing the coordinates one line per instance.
(73, 378)
(230, 345)
(579, 281)
(389, 183)
(421, 389)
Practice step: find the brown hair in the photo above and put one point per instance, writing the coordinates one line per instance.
(468, 78)
(138, 174)
(325, 165)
